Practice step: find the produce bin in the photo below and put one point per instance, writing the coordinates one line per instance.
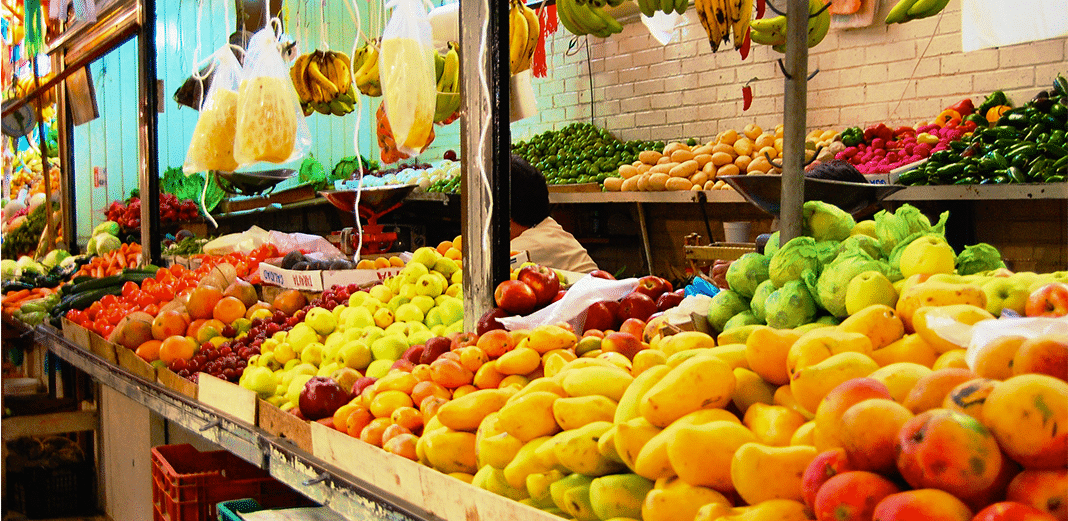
(232, 510)
(188, 484)
(43, 493)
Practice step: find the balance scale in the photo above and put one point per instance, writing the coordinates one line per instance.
(374, 203)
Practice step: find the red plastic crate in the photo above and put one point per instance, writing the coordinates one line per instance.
(187, 484)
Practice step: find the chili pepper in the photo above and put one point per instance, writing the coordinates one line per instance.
(994, 99)
(747, 94)
(746, 44)
(760, 6)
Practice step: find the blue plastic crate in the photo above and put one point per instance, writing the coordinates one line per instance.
(230, 510)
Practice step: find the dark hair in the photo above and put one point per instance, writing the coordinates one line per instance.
(530, 193)
(836, 170)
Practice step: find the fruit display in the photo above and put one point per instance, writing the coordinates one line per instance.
(27, 173)
(128, 214)
(1024, 145)
(772, 31)
(579, 153)
(723, 20)
(581, 17)
(323, 83)
(523, 30)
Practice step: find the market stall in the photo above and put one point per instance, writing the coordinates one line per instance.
(332, 313)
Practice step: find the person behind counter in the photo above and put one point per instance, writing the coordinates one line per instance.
(533, 230)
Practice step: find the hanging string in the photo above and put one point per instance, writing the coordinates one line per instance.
(357, 38)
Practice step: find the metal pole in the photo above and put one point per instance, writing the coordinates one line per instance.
(148, 136)
(42, 138)
(796, 104)
(485, 142)
(67, 191)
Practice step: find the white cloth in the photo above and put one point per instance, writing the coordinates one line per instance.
(550, 245)
(999, 23)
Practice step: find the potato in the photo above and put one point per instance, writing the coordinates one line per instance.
(627, 171)
(643, 182)
(709, 168)
(649, 157)
(680, 156)
(678, 183)
(663, 159)
(758, 165)
(764, 140)
(644, 168)
(722, 147)
(728, 137)
(613, 184)
(673, 146)
(657, 182)
(684, 169)
(703, 149)
(770, 152)
(727, 169)
(742, 162)
(721, 158)
(699, 178)
(630, 185)
(718, 185)
(712, 185)
(702, 159)
(743, 147)
(662, 168)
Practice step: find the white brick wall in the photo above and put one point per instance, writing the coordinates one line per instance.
(894, 74)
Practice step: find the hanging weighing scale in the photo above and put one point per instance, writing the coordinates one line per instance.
(374, 203)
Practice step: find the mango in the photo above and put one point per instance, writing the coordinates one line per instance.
(646, 359)
(526, 462)
(549, 385)
(538, 487)
(549, 337)
(530, 416)
(619, 495)
(946, 328)
(881, 324)
(606, 445)
(698, 383)
(777, 509)
(493, 446)
(753, 463)
(710, 465)
(579, 453)
(733, 354)
(773, 424)
(610, 382)
(934, 293)
(749, 389)
(673, 498)
(820, 344)
(630, 402)
(684, 341)
(652, 461)
(900, 378)
(785, 396)
(766, 350)
(450, 451)
(713, 512)
(574, 412)
(631, 436)
(492, 479)
(812, 383)
(558, 488)
(909, 348)
(736, 335)
(467, 412)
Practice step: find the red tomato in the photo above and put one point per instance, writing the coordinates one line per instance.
(163, 292)
(106, 331)
(99, 325)
(113, 315)
(151, 309)
(144, 299)
(129, 287)
(177, 270)
(109, 301)
(76, 315)
(93, 310)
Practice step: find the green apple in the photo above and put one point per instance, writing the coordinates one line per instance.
(451, 310)
(371, 334)
(312, 354)
(301, 335)
(408, 312)
(454, 290)
(389, 347)
(333, 344)
(1005, 293)
(867, 288)
(383, 317)
(419, 337)
(396, 302)
(321, 320)
(379, 368)
(337, 311)
(380, 293)
(409, 291)
(305, 368)
(438, 329)
(446, 266)
(327, 369)
(355, 354)
(866, 227)
(296, 385)
(429, 285)
(458, 277)
(424, 303)
(455, 327)
(397, 328)
(284, 352)
(433, 317)
(414, 326)
(277, 400)
(259, 380)
(358, 298)
(360, 317)
(242, 325)
(289, 365)
(425, 256)
(928, 255)
(412, 271)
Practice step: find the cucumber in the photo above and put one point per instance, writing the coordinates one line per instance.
(84, 299)
(110, 280)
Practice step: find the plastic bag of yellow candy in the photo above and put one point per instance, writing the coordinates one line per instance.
(270, 124)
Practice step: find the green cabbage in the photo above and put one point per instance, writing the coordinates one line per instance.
(979, 258)
(826, 222)
(904, 225)
(54, 257)
(790, 306)
(772, 245)
(27, 264)
(91, 247)
(9, 269)
(793, 259)
(106, 243)
(834, 280)
(108, 227)
(747, 272)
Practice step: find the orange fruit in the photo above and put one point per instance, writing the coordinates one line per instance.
(202, 301)
(149, 350)
(289, 301)
(403, 445)
(176, 347)
(228, 309)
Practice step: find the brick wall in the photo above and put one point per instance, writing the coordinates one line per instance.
(897, 74)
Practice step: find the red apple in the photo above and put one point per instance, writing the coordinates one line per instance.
(467, 338)
(601, 315)
(653, 286)
(542, 280)
(1050, 300)
(635, 305)
(434, 348)
(827, 464)
(403, 364)
(1012, 511)
(414, 354)
(669, 300)
(489, 322)
(515, 297)
(559, 295)
(320, 397)
(361, 383)
(633, 326)
(624, 343)
(602, 274)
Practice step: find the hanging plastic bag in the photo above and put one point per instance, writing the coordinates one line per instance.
(406, 70)
(387, 143)
(212, 145)
(270, 123)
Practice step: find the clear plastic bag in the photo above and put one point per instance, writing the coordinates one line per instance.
(406, 69)
(212, 145)
(572, 308)
(270, 122)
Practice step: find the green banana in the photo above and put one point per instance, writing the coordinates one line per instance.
(818, 25)
(766, 38)
(925, 8)
(900, 12)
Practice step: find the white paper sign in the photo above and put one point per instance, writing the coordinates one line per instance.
(998, 23)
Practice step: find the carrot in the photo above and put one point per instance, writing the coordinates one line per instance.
(120, 260)
(15, 296)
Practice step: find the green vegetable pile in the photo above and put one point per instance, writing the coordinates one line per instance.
(580, 153)
(1026, 145)
(23, 240)
(187, 246)
(174, 181)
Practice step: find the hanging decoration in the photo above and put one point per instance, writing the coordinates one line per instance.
(549, 23)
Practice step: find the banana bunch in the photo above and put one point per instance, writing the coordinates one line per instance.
(908, 10)
(447, 70)
(650, 7)
(772, 31)
(523, 30)
(25, 85)
(582, 17)
(323, 83)
(365, 63)
(724, 19)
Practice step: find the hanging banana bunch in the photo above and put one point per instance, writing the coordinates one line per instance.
(447, 70)
(323, 83)
(365, 63)
(582, 17)
(523, 31)
(724, 20)
(908, 10)
(772, 31)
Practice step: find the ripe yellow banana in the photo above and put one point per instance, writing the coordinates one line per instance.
(317, 76)
(517, 36)
(745, 15)
(296, 73)
(533, 31)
